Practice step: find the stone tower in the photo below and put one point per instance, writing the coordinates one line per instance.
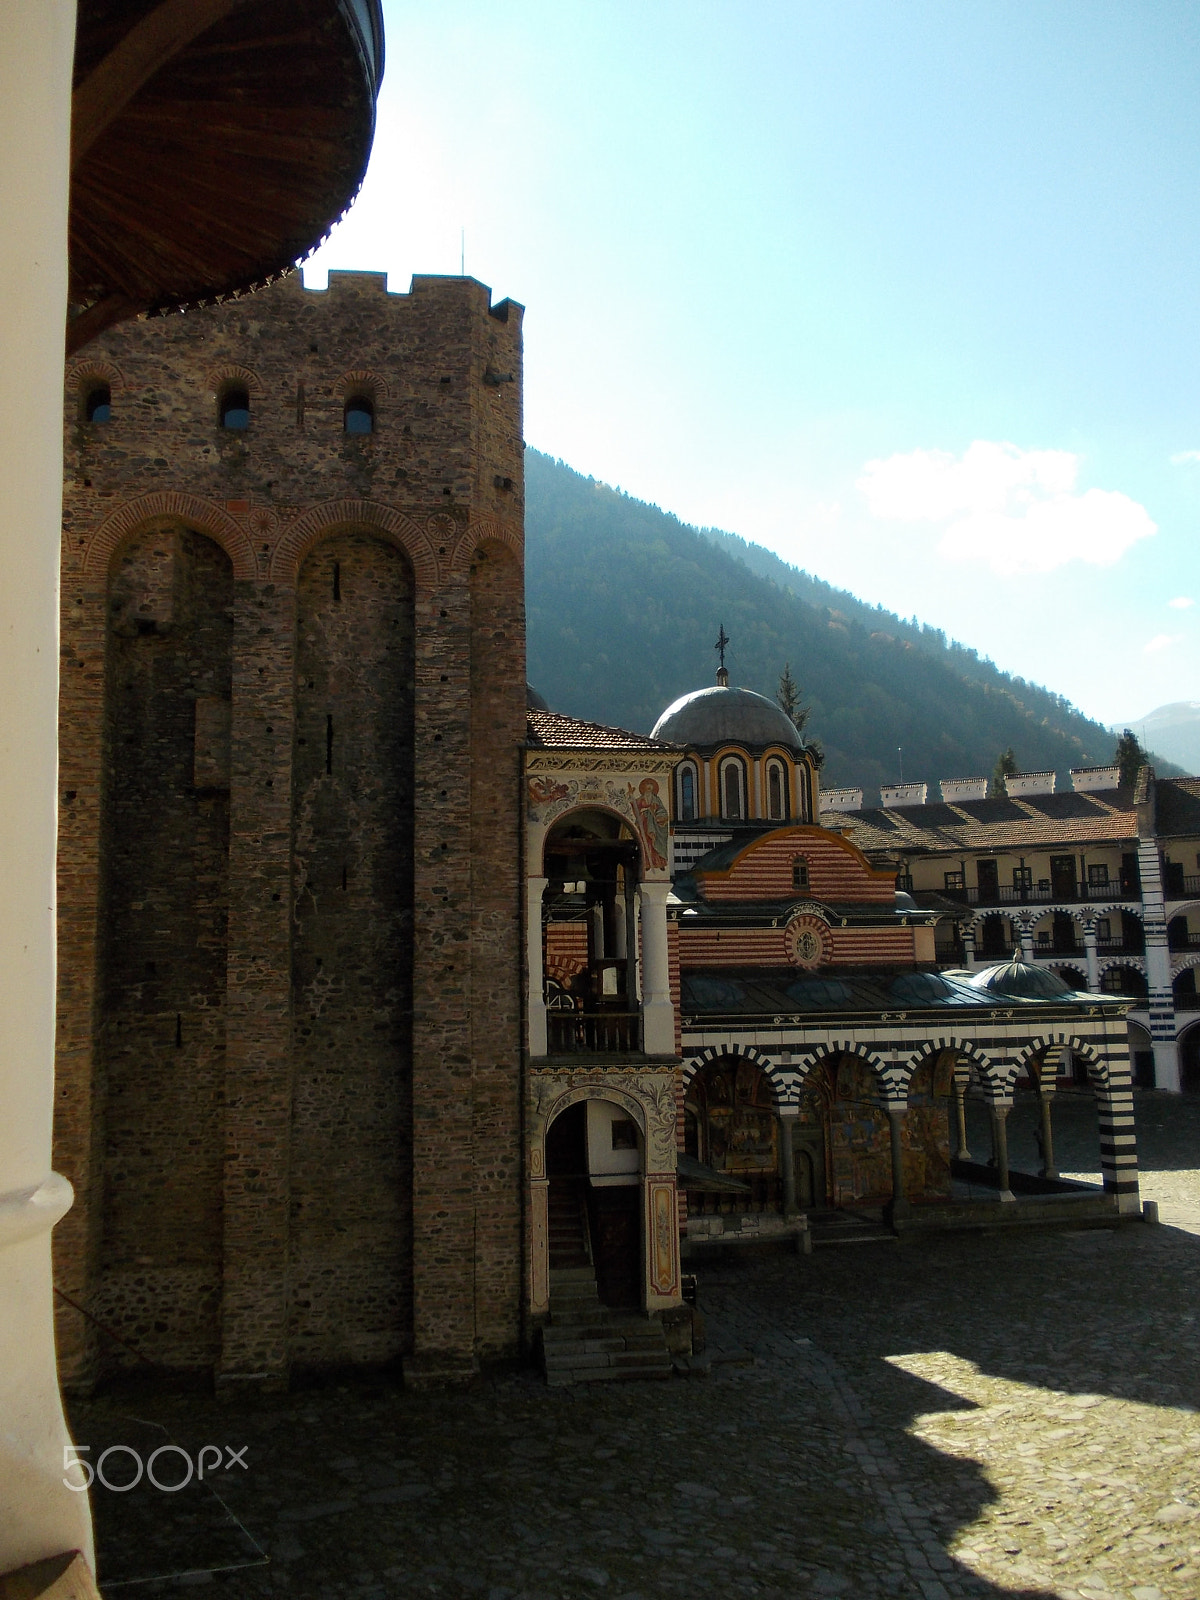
(291, 713)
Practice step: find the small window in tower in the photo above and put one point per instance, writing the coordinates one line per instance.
(776, 792)
(687, 794)
(733, 803)
(234, 407)
(97, 405)
(360, 415)
(800, 873)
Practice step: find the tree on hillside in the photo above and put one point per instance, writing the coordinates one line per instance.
(1006, 767)
(787, 698)
(1130, 757)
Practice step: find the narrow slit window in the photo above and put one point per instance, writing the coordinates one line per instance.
(776, 792)
(359, 415)
(732, 801)
(800, 873)
(234, 409)
(97, 406)
(687, 795)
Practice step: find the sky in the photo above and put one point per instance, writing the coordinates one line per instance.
(908, 294)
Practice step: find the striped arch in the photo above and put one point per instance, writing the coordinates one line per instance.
(480, 530)
(892, 1077)
(1113, 1087)
(337, 516)
(1106, 908)
(744, 1052)
(561, 969)
(1050, 1048)
(988, 1073)
(205, 516)
(1138, 963)
(1183, 963)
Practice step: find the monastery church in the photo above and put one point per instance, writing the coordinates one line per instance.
(401, 1017)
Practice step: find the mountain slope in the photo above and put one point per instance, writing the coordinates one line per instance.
(1173, 729)
(624, 602)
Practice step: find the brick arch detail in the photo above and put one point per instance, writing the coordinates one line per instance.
(370, 516)
(744, 1052)
(235, 374)
(361, 381)
(1183, 964)
(204, 515)
(479, 531)
(81, 372)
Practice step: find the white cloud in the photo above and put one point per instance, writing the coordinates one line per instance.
(1183, 457)
(1016, 510)
(1181, 602)
(1161, 641)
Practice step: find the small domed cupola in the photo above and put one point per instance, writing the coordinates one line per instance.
(746, 761)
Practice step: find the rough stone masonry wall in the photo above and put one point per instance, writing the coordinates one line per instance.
(164, 903)
(315, 1246)
(350, 1249)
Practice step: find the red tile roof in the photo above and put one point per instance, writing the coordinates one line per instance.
(549, 730)
(1002, 824)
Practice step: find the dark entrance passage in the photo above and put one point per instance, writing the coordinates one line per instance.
(615, 1214)
(594, 1221)
(566, 1168)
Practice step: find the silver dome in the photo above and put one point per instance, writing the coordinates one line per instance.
(726, 716)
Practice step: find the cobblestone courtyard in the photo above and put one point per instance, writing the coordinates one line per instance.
(1012, 1415)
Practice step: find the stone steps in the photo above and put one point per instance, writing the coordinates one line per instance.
(586, 1342)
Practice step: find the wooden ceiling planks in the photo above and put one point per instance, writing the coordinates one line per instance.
(225, 164)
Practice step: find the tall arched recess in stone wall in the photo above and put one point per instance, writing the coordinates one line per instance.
(350, 1250)
(497, 634)
(163, 913)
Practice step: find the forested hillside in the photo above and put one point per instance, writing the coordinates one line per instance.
(624, 603)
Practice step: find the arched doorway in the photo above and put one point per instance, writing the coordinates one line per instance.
(731, 1125)
(595, 1163)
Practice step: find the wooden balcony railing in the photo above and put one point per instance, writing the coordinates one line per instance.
(1043, 893)
(593, 1032)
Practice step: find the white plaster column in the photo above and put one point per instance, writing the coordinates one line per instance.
(535, 891)
(1093, 959)
(786, 1121)
(1161, 998)
(968, 939)
(39, 1515)
(658, 1012)
(999, 1110)
(963, 1152)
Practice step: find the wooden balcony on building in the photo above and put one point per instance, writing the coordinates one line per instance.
(593, 1032)
(1044, 893)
